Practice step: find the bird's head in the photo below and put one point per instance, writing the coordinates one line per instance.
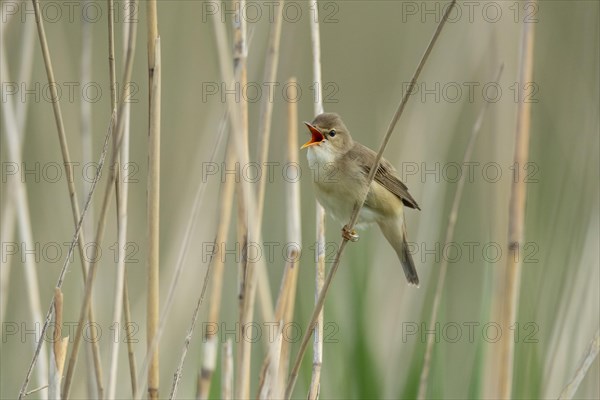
(329, 134)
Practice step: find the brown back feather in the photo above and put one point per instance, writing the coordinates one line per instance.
(386, 174)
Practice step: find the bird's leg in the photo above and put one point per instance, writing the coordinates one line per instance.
(350, 235)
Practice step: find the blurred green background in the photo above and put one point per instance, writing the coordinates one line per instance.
(369, 52)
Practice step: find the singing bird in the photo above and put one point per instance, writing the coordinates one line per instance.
(340, 168)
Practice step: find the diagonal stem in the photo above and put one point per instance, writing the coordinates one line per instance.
(319, 304)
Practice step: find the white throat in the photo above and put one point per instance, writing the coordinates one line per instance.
(319, 156)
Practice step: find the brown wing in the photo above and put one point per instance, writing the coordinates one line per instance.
(386, 175)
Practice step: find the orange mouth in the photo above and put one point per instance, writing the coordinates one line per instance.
(317, 136)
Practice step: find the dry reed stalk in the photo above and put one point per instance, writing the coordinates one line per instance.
(354, 217)
(586, 362)
(294, 236)
(120, 232)
(264, 134)
(153, 312)
(126, 118)
(109, 187)
(58, 354)
(88, 293)
(270, 377)
(59, 124)
(253, 234)
(121, 199)
(283, 299)
(239, 127)
(264, 292)
(516, 223)
(315, 380)
(122, 300)
(284, 309)
(246, 299)
(112, 70)
(211, 341)
(449, 238)
(179, 266)
(153, 303)
(227, 371)
(129, 336)
(266, 106)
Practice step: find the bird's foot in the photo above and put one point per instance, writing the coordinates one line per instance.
(350, 235)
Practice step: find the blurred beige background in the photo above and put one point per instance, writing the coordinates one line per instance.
(369, 52)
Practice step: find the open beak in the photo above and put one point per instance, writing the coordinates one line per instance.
(317, 137)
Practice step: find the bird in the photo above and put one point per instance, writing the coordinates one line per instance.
(340, 167)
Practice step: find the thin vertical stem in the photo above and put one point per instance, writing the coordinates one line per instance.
(315, 382)
(113, 105)
(294, 238)
(153, 317)
(129, 334)
(245, 315)
(121, 197)
(210, 343)
(266, 110)
(516, 223)
(128, 43)
(253, 236)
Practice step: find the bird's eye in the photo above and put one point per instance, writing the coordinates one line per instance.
(332, 133)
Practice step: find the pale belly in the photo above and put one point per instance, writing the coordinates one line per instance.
(340, 204)
(339, 191)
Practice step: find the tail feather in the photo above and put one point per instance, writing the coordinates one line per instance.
(395, 233)
(408, 264)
